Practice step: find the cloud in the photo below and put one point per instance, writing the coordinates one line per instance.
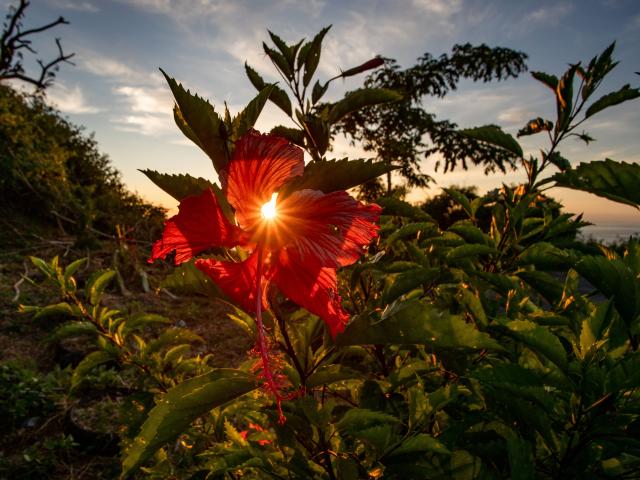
(145, 124)
(515, 115)
(79, 5)
(145, 100)
(445, 8)
(109, 67)
(550, 15)
(69, 100)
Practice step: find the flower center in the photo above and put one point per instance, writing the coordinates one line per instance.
(268, 210)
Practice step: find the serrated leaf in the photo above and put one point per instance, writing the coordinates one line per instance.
(254, 77)
(179, 186)
(180, 406)
(331, 175)
(415, 322)
(611, 99)
(286, 51)
(279, 61)
(204, 123)
(539, 339)
(87, 364)
(361, 98)
(246, 119)
(494, 135)
(594, 325)
(312, 56)
(318, 91)
(617, 181)
(96, 285)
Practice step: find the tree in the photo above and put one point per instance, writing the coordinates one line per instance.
(396, 132)
(15, 41)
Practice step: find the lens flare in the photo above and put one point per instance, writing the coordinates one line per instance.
(268, 210)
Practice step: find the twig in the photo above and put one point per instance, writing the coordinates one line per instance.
(16, 286)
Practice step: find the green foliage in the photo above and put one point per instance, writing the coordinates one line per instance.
(48, 166)
(616, 181)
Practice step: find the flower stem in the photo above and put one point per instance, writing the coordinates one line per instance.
(269, 380)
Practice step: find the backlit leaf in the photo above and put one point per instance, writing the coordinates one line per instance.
(494, 135)
(613, 98)
(358, 99)
(175, 411)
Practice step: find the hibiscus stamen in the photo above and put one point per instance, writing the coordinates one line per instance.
(270, 382)
(268, 210)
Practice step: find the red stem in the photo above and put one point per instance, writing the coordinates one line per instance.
(270, 382)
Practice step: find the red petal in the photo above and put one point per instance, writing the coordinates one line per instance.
(332, 228)
(236, 279)
(199, 224)
(311, 286)
(260, 165)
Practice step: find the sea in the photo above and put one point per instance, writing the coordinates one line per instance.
(608, 234)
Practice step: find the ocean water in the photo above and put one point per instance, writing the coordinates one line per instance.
(610, 233)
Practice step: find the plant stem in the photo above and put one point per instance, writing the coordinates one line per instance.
(270, 381)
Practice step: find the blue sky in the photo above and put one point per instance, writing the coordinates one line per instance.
(116, 91)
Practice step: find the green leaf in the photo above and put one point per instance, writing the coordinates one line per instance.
(172, 336)
(180, 186)
(469, 250)
(550, 81)
(94, 288)
(594, 325)
(73, 267)
(204, 124)
(397, 285)
(559, 161)
(328, 374)
(415, 322)
(617, 181)
(461, 198)
(61, 309)
(520, 454)
(286, 51)
(421, 442)
(539, 339)
(494, 135)
(279, 61)
(411, 230)
(312, 56)
(357, 419)
(394, 206)
(254, 77)
(361, 98)
(318, 91)
(294, 135)
(173, 414)
(74, 329)
(611, 99)
(87, 364)
(331, 175)
(246, 119)
(625, 375)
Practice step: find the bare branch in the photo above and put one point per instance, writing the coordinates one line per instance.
(14, 39)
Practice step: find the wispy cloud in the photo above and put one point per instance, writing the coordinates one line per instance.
(69, 100)
(114, 69)
(144, 124)
(146, 100)
(78, 5)
(552, 14)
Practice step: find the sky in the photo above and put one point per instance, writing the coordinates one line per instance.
(116, 91)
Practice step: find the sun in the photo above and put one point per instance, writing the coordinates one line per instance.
(268, 210)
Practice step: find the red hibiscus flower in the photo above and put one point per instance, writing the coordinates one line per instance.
(296, 242)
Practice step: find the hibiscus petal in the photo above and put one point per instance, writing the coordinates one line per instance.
(260, 165)
(199, 224)
(236, 279)
(312, 286)
(332, 228)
